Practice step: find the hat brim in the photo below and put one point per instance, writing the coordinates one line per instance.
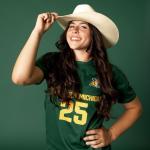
(104, 24)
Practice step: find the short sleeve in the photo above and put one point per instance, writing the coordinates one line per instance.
(45, 63)
(121, 83)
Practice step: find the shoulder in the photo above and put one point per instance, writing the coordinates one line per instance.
(118, 76)
(50, 55)
(122, 84)
(115, 68)
(47, 60)
(116, 71)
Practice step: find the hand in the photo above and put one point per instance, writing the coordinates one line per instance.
(45, 21)
(98, 138)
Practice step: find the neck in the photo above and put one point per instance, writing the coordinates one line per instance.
(82, 55)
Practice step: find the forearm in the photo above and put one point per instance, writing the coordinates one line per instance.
(127, 119)
(26, 60)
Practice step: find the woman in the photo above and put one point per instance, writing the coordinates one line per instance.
(82, 84)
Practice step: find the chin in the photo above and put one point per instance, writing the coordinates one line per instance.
(75, 48)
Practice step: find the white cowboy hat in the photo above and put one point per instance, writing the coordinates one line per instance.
(105, 25)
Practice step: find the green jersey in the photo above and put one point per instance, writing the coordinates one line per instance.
(66, 126)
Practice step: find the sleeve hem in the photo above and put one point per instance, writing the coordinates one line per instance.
(127, 100)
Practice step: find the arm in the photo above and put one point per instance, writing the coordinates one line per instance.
(25, 71)
(132, 112)
(102, 137)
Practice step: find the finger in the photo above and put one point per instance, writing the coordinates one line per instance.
(91, 137)
(95, 131)
(55, 15)
(48, 20)
(49, 17)
(42, 16)
(52, 18)
(52, 15)
(100, 145)
(94, 142)
(45, 16)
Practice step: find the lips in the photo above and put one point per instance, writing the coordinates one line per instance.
(75, 38)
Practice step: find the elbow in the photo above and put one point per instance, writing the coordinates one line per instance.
(134, 108)
(19, 80)
(140, 109)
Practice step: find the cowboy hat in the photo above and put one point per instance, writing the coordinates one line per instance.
(105, 25)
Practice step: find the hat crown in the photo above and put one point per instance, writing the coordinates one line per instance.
(83, 8)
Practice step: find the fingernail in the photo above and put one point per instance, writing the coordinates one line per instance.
(84, 139)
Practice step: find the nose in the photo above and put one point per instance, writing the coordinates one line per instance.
(75, 29)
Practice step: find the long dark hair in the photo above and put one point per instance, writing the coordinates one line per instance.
(64, 77)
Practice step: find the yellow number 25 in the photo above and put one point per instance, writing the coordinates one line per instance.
(81, 115)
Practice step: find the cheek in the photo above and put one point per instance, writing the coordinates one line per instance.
(88, 40)
(87, 36)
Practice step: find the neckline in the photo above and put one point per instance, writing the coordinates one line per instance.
(84, 62)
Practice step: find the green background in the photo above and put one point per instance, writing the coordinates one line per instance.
(22, 125)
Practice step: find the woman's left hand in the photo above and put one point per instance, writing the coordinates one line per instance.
(98, 138)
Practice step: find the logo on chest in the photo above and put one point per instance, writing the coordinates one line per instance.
(95, 83)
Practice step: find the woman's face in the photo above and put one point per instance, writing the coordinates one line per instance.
(78, 35)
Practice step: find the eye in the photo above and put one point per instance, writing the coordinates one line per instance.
(71, 26)
(84, 26)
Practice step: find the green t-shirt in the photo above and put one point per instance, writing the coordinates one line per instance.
(66, 127)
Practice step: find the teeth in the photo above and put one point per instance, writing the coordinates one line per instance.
(75, 38)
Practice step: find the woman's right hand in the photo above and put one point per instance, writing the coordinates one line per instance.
(45, 21)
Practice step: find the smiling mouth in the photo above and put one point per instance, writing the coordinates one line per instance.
(75, 39)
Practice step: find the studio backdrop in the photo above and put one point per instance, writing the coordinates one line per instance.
(22, 118)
